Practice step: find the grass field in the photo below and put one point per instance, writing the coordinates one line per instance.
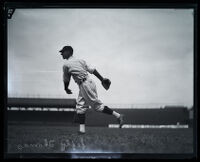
(64, 139)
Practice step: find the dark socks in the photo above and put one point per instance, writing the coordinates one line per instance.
(81, 118)
(107, 110)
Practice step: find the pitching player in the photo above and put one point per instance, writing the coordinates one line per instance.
(79, 69)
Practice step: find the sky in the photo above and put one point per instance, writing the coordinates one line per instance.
(146, 53)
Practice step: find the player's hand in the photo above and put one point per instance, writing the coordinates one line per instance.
(68, 91)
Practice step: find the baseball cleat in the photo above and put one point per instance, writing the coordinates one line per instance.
(121, 120)
(81, 133)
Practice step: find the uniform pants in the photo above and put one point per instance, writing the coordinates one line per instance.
(88, 97)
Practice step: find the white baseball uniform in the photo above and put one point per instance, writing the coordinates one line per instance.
(87, 89)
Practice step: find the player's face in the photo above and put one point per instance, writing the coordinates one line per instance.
(66, 54)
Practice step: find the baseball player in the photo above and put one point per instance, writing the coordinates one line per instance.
(79, 69)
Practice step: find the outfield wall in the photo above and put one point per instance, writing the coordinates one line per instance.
(164, 116)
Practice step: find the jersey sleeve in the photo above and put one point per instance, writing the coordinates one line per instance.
(88, 67)
(66, 74)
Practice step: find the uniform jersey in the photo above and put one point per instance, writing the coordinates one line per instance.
(77, 68)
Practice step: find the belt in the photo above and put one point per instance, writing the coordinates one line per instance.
(81, 81)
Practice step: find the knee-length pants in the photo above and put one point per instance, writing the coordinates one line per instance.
(88, 97)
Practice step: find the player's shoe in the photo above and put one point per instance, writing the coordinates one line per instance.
(121, 120)
(81, 133)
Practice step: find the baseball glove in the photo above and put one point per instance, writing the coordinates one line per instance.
(106, 83)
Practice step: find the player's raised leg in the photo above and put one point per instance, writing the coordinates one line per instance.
(109, 111)
(120, 117)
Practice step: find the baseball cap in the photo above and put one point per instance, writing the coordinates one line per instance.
(66, 48)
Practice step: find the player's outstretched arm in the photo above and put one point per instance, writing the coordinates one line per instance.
(96, 73)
